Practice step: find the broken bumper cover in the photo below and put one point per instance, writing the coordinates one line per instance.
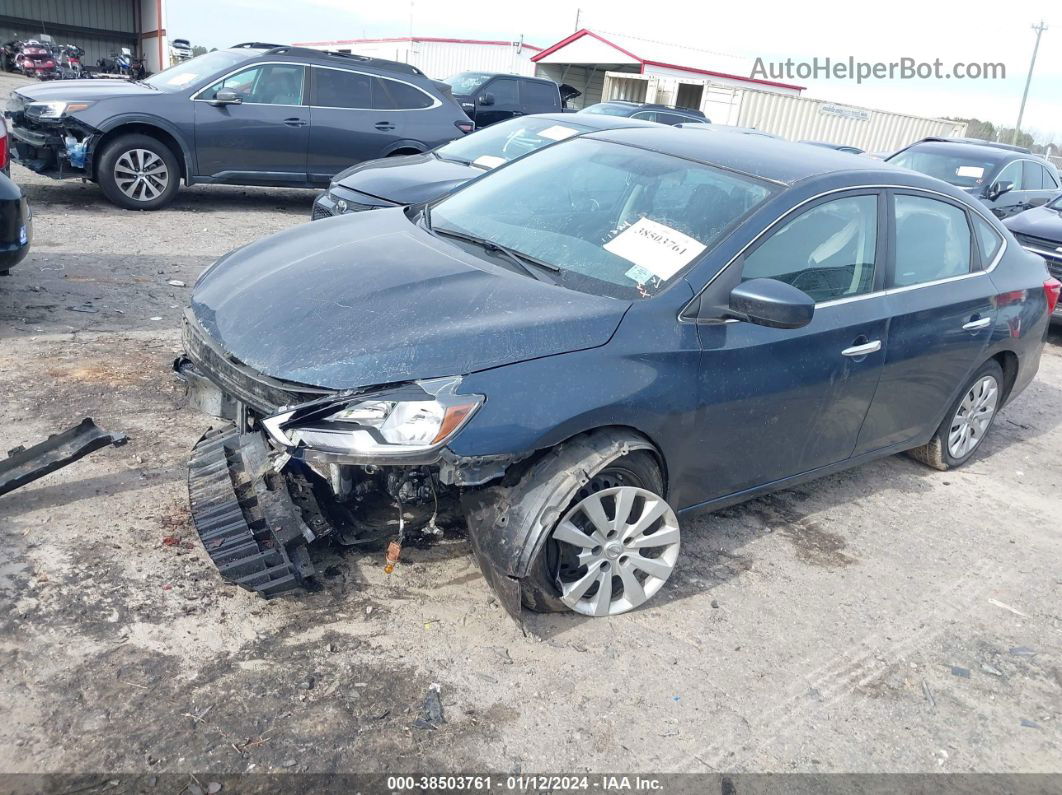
(245, 515)
(24, 465)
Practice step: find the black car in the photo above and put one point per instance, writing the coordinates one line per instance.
(572, 355)
(1007, 179)
(852, 150)
(1039, 230)
(16, 223)
(491, 97)
(392, 182)
(661, 114)
(252, 114)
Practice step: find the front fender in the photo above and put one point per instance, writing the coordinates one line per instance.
(113, 123)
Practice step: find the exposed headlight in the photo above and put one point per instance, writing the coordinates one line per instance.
(399, 422)
(55, 109)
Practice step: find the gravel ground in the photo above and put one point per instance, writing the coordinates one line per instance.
(891, 618)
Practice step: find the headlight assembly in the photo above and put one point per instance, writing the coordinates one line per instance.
(397, 423)
(55, 109)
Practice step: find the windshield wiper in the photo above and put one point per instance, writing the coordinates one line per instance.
(522, 261)
(458, 160)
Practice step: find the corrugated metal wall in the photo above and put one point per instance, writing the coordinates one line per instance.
(100, 27)
(792, 117)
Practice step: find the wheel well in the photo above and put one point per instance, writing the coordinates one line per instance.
(144, 129)
(404, 151)
(1008, 360)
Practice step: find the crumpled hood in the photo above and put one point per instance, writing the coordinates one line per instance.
(407, 180)
(1037, 222)
(371, 298)
(94, 90)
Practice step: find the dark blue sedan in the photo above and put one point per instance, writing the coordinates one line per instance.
(573, 354)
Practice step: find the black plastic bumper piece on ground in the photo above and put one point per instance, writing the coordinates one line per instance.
(24, 465)
(244, 514)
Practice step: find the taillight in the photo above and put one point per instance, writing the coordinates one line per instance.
(49, 64)
(3, 145)
(1052, 288)
(465, 126)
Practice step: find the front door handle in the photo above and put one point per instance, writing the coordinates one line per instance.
(295, 121)
(384, 125)
(975, 325)
(862, 350)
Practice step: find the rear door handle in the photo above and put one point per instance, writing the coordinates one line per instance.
(975, 325)
(862, 350)
(384, 125)
(295, 121)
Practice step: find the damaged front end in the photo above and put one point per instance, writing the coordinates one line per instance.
(47, 139)
(295, 464)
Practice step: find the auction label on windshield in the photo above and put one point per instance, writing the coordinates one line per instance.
(655, 248)
(558, 132)
(489, 161)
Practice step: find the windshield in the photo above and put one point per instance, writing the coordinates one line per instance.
(963, 171)
(615, 220)
(606, 109)
(507, 141)
(185, 74)
(1057, 203)
(466, 83)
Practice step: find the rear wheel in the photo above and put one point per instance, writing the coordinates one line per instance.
(967, 422)
(614, 547)
(138, 172)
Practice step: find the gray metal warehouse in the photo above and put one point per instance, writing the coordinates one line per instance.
(100, 27)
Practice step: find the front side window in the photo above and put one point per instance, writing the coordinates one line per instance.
(507, 140)
(504, 91)
(615, 220)
(603, 108)
(829, 251)
(396, 95)
(1012, 174)
(932, 241)
(338, 88)
(645, 115)
(268, 84)
(1049, 179)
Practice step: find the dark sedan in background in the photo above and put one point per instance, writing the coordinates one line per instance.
(1007, 179)
(252, 114)
(574, 353)
(16, 227)
(396, 181)
(1039, 231)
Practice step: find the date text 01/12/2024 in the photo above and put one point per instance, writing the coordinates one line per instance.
(525, 783)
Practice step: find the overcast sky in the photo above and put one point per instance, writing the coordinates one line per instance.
(974, 31)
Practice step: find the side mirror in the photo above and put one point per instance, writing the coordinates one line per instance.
(769, 302)
(486, 99)
(998, 189)
(226, 96)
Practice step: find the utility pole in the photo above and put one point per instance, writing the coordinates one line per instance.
(578, 13)
(1040, 28)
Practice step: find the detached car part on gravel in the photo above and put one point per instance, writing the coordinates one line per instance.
(24, 465)
(567, 356)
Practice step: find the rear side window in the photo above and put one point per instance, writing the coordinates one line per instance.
(932, 241)
(539, 95)
(828, 251)
(988, 238)
(645, 115)
(1032, 175)
(337, 88)
(395, 95)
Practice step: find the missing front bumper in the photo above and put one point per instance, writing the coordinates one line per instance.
(245, 516)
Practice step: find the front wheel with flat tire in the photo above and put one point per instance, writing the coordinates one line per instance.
(138, 172)
(967, 422)
(614, 547)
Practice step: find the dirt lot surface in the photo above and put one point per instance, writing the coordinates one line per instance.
(889, 618)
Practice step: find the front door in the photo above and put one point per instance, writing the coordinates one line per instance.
(780, 402)
(261, 138)
(943, 313)
(503, 95)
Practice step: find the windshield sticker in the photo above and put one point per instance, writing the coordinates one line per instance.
(970, 171)
(655, 248)
(557, 132)
(489, 161)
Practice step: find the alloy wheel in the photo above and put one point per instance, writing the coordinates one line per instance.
(141, 174)
(617, 546)
(973, 417)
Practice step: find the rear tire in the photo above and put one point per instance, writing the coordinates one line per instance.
(138, 172)
(967, 421)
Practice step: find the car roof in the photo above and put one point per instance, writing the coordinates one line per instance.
(594, 120)
(328, 58)
(771, 159)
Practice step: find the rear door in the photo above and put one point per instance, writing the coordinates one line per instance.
(264, 136)
(503, 93)
(780, 402)
(943, 311)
